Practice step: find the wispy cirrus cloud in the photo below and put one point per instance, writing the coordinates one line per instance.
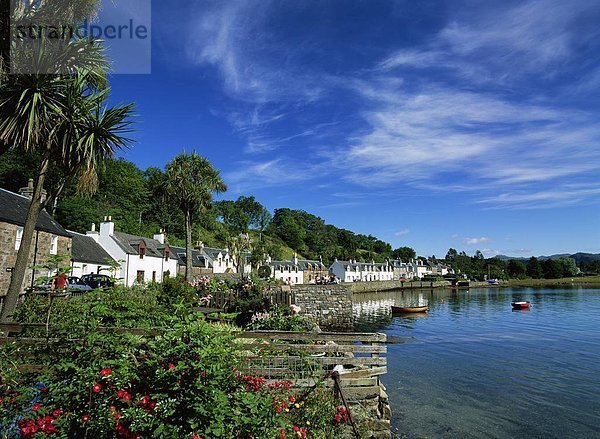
(445, 134)
(254, 64)
(402, 232)
(472, 108)
(503, 43)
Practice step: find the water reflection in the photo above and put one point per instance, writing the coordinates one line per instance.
(473, 367)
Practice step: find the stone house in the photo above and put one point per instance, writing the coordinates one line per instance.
(142, 259)
(313, 270)
(50, 238)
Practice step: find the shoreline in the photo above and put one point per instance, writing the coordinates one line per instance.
(380, 286)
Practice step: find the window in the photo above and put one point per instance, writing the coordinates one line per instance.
(142, 249)
(140, 276)
(54, 245)
(18, 238)
(154, 276)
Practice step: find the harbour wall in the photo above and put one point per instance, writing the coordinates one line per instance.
(329, 305)
(387, 285)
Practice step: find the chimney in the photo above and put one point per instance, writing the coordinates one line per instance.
(295, 258)
(199, 245)
(28, 190)
(93, 233)
(107, 227)
(160, 236)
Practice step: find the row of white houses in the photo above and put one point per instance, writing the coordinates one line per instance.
(136, 259)
(142, 259)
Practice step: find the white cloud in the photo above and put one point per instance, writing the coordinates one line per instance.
(475, 241)
(255, 66)
(500, 43)
(402, 232)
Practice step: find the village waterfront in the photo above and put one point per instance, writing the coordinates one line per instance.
(473, 368)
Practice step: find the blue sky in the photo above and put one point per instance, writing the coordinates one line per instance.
(432, 124)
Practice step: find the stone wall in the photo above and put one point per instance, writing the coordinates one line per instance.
(329, 305)
(8, 254)
(375, 286)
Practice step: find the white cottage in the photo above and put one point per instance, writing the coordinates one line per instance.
(288, 272)
(142, 259)
(88, 256)
(353, 271)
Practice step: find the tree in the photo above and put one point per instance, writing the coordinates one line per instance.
(239, 247)
(232, 216)
(63, 120)
(286, 225)
(568, 266)
(190, 182)
(452, 254)
(534, 268)
(516, 269)
(552, 269)
(404, 254)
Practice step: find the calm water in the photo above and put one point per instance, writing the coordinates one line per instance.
(473, 368)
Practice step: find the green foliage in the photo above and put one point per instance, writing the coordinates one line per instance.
(281, 319)
(119, 306)
(106, 384)
(405, 254)
(310, 236)
(516, 269)
(534, 268)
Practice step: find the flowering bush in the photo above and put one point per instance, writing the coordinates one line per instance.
(281, 319)
(185, 383)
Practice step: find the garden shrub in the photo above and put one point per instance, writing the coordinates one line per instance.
(281, 319)
(183, 384)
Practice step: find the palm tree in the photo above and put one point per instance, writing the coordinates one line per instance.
(71, 128)
(190, 182)
(58, 113)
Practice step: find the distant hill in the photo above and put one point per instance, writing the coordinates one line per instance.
(578, 257)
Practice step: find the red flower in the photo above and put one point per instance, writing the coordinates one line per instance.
(36, 407)
(97, 388)
(85, 418)
(56, 413)
(124, 395)
(171, 366)
(106, 372)
(282, 433)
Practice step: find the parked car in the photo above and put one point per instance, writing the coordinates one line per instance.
(97, 281)
(76, 283)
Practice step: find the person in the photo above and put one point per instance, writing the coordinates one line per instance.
(61, 282)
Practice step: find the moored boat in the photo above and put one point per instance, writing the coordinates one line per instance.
(407, 309)
(521, 305)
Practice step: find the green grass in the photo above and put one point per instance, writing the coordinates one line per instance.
(587, 280)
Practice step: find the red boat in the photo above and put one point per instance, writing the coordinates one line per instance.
(521, 305)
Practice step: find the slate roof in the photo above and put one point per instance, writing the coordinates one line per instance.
(306, 264)
(130, 244)
(213, 253)
(14, 211)
(198, 259)
(85, 249)
(376, 265)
